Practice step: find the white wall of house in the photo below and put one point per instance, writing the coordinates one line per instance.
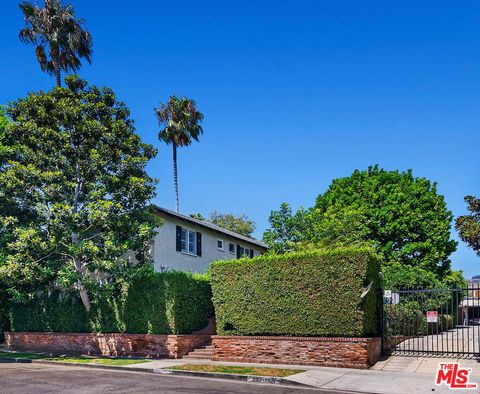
(166, 256)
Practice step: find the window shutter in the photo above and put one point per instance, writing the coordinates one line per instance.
(199, 244)
(239, 251)
(178, 239)
(251, 253)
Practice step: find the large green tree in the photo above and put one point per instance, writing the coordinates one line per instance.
(4, 227)
(6, 202)
(404, 216)
(60, 38)
(239, 224)
(179, 120)
(401, 216)
(78, 180)
(468, 226)
(287, 230)
(3, 146)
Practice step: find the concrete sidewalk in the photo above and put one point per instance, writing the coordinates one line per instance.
(394, 375)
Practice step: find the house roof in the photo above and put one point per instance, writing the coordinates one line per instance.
(210, 226)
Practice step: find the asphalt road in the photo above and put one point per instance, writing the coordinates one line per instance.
(37, 379)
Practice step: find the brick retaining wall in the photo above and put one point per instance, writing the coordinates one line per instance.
(141, 345)
(322, 351)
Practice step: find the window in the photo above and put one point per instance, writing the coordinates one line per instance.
(219, 244)
(192, 237)
(231, 248)
(188, 241)
(183, 240)
(244, 252)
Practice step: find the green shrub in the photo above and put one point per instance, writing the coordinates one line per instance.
(150, 302)
(405, 320)
(4, 315)
(401, 320)
(447, 322)
(312, 293)
(171, 302)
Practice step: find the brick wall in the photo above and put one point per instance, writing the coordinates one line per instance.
(331, 352)
(141, 345)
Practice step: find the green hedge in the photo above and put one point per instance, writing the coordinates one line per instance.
(404, 321)
(4, 315)
(311, 293)
(150, 302)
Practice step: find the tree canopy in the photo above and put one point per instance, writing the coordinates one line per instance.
(5, 206)
(239, 224)
(78, 189)
(3, 121)
(4, 226)
(60, 38)
(401, 216)
(468, 226)
(405, 217)
(3, 125)
(287, 230)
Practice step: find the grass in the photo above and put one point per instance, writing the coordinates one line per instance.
(28, 356)
(80, 359)
(257, 371)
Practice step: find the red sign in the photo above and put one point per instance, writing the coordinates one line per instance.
(432, 316)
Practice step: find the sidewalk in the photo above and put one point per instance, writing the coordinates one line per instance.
(394, 375)
(400, 375)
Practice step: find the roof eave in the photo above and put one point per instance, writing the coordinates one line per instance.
(211, 227)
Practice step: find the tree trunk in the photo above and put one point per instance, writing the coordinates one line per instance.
(81, 288)
(56, 67)
(175, 177)
(84, 296)
(75, 240)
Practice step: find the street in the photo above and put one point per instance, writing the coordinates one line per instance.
(37, 379)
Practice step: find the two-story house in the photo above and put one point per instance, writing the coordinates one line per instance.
(188, 244)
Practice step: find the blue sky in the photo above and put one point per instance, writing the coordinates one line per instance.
(294, 93)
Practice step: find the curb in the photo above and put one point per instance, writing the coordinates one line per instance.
(221, 375)
(166, 372)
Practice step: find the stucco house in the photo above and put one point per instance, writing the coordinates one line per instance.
(188, 244)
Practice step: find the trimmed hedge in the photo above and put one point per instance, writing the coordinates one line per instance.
(151, 302)
(310, 293)
(402, 320)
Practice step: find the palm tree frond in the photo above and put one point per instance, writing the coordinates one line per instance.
(27, 36)
(179, 120)
(55, 26)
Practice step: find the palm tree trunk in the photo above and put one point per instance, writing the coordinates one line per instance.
(57, 73)
(175, 177)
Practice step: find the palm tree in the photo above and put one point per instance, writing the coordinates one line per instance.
(179, 120)
(56, 28)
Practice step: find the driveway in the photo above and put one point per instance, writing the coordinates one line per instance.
(459, 339)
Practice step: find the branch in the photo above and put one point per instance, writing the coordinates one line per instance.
(93, 236)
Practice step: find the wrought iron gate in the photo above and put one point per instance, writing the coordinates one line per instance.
(432, 322)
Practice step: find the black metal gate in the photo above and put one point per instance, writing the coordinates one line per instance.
(432, 322)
